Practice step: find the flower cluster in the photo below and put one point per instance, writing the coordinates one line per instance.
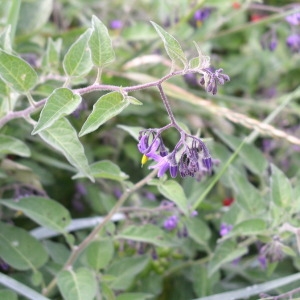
(190, 156)
(211, 78)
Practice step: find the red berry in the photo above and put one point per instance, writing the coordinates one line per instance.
(236, 5)
(227, 201)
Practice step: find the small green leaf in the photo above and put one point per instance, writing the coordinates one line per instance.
(134, 296)
(105, 108)
(63, 137)
(172, 46)
(11, 145)
(133, 100)
(99, 254)
(173, 191)
(51, 59)
(5, 40)
(100, 44)
(126, 269)
(77, 285)
(46, 212)
(225, 252)
(249, 227)
(281, 189)
(147, 233)
(60, 103)
(248, 197)
(19, 249)
(106, 169)
(17, 73)
(77, 61)
(198, 230)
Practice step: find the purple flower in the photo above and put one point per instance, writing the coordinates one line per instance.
(225, 229)
(171, 223)
(202, 14)
(262, 261)
(116, 24)
(293, 19)
(162, 165)
(293, 42)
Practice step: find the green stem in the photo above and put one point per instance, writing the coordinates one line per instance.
(249, 139)
(78, 250)
(13, 17)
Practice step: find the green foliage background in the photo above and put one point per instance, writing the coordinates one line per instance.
(80, 218)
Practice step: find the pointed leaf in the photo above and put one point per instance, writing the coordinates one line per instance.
(105, 108)
(99, 254)
(19, 249)
(133, 100)
(46, 212)
(51, 59)
(249, 227)
(5, 40)
(281, 189)
(145, 233)
(11, 145)
(79, 285)
(106, 169)
(77, 61)
(17, 73)
(63, 137)
(60, 103)
(172, 190)
(100, 44)
(172, 46)
(225, 252)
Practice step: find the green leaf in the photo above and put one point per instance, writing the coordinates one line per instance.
(60, 103)
(63, 137)
(281, 189)
(11, 145)
(248, 197)
(225, 252)
(126, 269)
(33, 15)
(173, 191)
(51, 59)
(134, 131)
(46, 212)
(58, 252)
(77, 61)
(198, 230)
(105, 108)
(134, 296)
(99, 254)
(172, 46)
(133, 100)
(8, 295)
(253, 159)
(20, 288)
(100, 44)
(5, 40)
(19, 249)
(107, 170)
(17, 73)
(77, 285)
(147, 233)
(249, 227)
